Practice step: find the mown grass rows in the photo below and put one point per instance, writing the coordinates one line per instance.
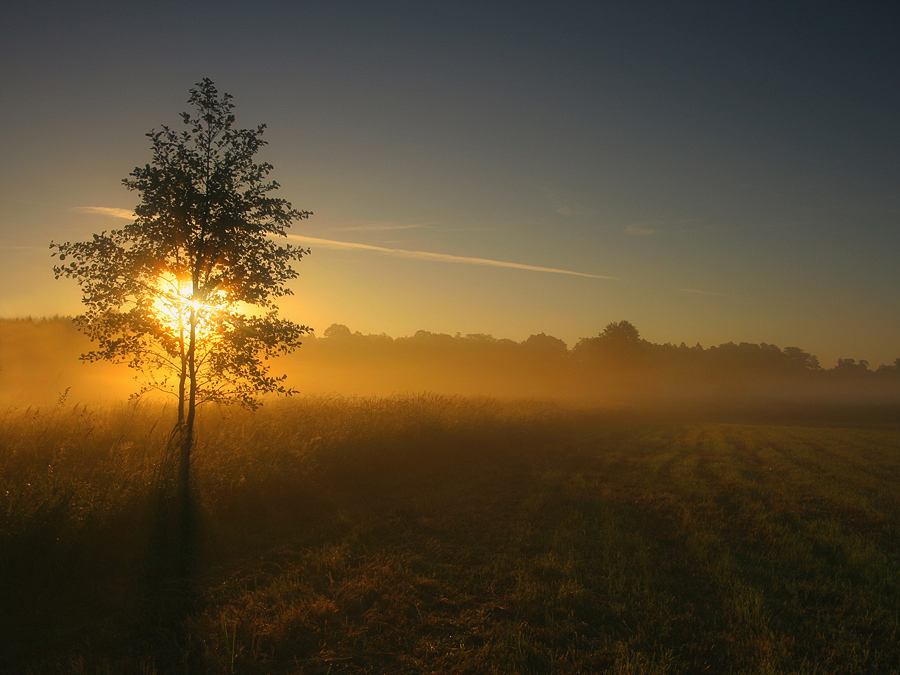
(436, 534)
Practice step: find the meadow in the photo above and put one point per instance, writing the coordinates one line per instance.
(440, 534)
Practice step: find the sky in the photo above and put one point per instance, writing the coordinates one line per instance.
(711, 172)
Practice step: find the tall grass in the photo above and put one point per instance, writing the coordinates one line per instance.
(441, 534)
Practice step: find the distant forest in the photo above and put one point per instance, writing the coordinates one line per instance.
(39, 360)
(616, 364)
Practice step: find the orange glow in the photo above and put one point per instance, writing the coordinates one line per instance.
(176, 300)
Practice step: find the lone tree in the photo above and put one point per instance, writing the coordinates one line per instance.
(186, 293)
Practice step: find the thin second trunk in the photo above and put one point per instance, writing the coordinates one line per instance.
(187, 438)
(182, 376)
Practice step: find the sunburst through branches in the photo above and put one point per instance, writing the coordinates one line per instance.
(176, 300)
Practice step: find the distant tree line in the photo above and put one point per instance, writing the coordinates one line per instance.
(616, 362)
(617, 347)
(614, 365)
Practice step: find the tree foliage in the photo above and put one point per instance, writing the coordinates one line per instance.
(186, 293)
(620, 333)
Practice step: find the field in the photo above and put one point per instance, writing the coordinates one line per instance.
(430, 534)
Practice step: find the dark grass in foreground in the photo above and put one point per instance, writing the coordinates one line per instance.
(445, 535)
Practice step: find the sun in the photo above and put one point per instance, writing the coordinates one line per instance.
(175, 301)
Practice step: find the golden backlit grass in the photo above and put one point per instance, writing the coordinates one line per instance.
(431, 534)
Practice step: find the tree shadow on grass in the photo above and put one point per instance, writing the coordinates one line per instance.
(109, 594)
(170, 574)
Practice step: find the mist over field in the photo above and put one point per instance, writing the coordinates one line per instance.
(637, 509)
(39, 365)
(440, 534)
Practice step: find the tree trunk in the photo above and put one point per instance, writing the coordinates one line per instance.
(182, 376)
(187, 439)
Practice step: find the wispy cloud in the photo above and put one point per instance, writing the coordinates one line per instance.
(636, 231)
(379, 227)
(105, 211)
(694, 290)
(439, 257)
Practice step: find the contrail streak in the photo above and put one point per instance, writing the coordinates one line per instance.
(440, 257)
(400, 253)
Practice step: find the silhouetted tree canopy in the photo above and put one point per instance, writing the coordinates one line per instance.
(545, 346)
(165, 294)
(620, 333)
(337, 331)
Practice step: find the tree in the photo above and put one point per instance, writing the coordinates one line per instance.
(186, 293)
(851, 367)
(620, 339)
(799, 360)
(620, 334)
(545, 347)
(337, 331)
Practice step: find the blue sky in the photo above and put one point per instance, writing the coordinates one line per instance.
(713, 171)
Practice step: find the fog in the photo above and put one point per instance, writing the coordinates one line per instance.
(40, 365)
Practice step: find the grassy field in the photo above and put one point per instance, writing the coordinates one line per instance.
(451, 535)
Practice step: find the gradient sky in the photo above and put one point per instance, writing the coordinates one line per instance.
(708, 171)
